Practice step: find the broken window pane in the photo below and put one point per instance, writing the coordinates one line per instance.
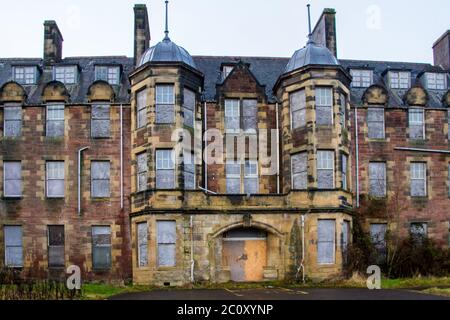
(142, 235)
(232, 115)
(166, 234)
(55, 121)
(298, 109)
(378, 238)
(251, 177)
(142, 169)
(100, 179)
(100, 121)
(101, 247)
(343, 110)
(13, 246)
(325, 169)
(416, 124)
(189, 108)
(12, 171)
(326, 241)
(55, 179)
(418, 179)
(300, 171)
(56, 243)
(250, 114)
(418, 231)
(344, 171)
(141, 107)
(165, 169)
(375, 123)
(12, 121)
(345, 240)
(233, 177)
(377, 179)
(189, 171)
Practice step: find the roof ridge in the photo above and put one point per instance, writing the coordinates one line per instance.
(238, 57)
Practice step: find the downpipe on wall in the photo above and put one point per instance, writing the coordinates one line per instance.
(191, 224)
(79, 178)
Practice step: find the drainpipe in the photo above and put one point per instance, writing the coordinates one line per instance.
(121, 156)
(278, 148)
(79, 178)
(302, 265)
(205, 118)
(192, 249)
(357, 156)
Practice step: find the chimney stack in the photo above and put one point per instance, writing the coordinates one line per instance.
(324, 32)
(53, 42)
(141, 32)
(441, 51)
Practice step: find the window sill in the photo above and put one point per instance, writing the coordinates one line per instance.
(18, 198)
(166, 268)
(101, 138)
(383, 140)
(105, 199)
(101, 270)
(56, 198)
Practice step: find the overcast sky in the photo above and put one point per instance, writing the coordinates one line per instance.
(399, 30)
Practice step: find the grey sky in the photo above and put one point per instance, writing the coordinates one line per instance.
(397, 30)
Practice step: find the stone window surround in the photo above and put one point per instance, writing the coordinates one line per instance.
(242, 175)
(236, 110)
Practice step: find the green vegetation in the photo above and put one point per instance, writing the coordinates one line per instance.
(438, 291)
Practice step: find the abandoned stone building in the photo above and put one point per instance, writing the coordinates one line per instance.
(168, 168)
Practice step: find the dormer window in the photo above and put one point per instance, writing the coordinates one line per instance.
(66, 74)
(226, 71)
(436, 81)
(399, 80)
(361, 78)
(110, 74)
(25, 75)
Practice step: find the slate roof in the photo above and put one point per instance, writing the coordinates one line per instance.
(265, 69)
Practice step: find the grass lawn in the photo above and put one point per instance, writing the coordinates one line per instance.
(438, 291)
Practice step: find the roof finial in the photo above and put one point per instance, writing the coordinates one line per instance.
(167, 21)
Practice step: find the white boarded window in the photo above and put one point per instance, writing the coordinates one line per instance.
(250, 115)
(165, 104)
(13, 246)
(436, 81)
(55, 179)
(378, 238)
(55, 120)
(141, 107)
(399, 80)
(326, 238)
(25, 75)
(299, 163)
(165, 169)
(142, 235)
(100, 179)
(189, 108)
(12, 184)
(418, 179)
(418, 231)
(232, 115)
(110, 74)
(167, 238)
(324, 106)
(251, 181)
(12, 121)
(325, 169)
(100, 121)
(142, 171)
(56, 242)
(66, 75)
(233, 177)
(343, 110)
(416, 124)
(189, 170)
(298, 109)
(344, 171)
(375, 123)
(377, 179)
(101, 247)
(361, 78)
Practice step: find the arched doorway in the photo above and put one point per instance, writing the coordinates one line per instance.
(244, 252)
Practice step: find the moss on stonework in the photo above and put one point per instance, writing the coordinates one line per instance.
(295, 251)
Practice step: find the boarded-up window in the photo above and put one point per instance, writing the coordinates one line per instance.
(165, 104)
(167, 238)
(375, 123)
(418, 231)
(251, 181)
(377, 179)
(189, 170)
(378, 238)
(55, 120)
(100, 121)
(326, 236)
(299, 171)
(343, 110)
(141, 107)
(233, 175)
(324, 106)
(12, 173)
(298, 109)
(418, 179)
(100, 179)
(12, 126)
(325, 169)
(232, 115)
(344, 171)
(416, 124)
(250, 114)
(165, 169)
(142, 171)
(56, 243)
(189, 108)
(345, 239)
(13, 246)
(142, 235)
(55, 179)
(101, 247)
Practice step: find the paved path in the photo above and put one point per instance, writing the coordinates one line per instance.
(279, 294)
